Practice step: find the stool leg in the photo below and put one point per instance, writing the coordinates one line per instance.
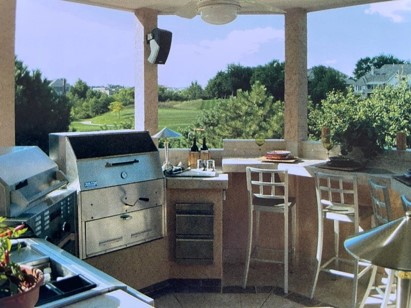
(319, 253)
(286, 251)
(388, 287)
(369, 287)
(293, 232)
(257, 228)
(336, 241)
(355, 284)
(249, 245)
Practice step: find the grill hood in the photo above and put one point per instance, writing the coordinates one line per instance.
(26, 175)
(108, 158)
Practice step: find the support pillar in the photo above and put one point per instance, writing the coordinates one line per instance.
(146, 86)
(296, 87)
(7, 79)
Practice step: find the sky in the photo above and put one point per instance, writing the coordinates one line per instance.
(97, 45)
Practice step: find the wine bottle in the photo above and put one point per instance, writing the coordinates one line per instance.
(194, 147)
(204, 147)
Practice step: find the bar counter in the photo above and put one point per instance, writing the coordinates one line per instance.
(301, 186)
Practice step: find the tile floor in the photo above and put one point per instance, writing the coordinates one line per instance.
(268, 292)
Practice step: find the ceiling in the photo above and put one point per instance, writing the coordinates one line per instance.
(176, 7)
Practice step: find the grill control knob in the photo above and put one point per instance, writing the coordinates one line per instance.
(66, 227)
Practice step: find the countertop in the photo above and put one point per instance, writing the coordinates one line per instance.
(307, 168)
(220, 181)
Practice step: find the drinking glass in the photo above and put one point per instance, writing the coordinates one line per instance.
(326, 140)
(259, 140)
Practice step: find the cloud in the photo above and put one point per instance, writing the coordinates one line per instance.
(394, 10)
(203, 59)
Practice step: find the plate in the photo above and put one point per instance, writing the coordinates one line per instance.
(276, 155)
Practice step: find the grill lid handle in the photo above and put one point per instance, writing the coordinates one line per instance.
(129, 162)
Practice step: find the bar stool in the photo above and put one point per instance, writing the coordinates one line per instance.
(337, 200)
(382, 214)
(268, 192)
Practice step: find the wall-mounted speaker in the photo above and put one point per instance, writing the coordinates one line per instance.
(160, 42)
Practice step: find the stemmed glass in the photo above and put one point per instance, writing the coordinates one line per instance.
(259, 140)
(326, 140)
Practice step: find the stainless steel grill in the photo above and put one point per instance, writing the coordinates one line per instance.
(33, 191)
(120, 187)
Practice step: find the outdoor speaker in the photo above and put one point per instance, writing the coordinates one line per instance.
(160, 42)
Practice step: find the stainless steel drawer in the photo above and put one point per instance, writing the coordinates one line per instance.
(115, 232)
(194, 251)
(194, 233)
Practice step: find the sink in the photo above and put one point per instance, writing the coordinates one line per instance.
(68, 286)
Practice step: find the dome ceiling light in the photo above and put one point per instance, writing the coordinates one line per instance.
(218, 12)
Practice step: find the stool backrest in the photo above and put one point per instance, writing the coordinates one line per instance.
(380, 200)
(334, 190)
(406, 203)
(267, 185)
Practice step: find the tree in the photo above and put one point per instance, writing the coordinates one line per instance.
(322, 80)
(39, 110)
(271, 76)
(390, 106)
(124, 95)
(226, 84)
(116, 107)
(218, 87)
(364, 65)
(246, 115)
(371, 122)
(86, 102)
(194, 91)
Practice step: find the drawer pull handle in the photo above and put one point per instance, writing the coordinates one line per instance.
(125, 217)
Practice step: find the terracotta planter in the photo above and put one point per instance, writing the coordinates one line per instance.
(28, 298)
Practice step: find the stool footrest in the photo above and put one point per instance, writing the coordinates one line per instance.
(366, 267)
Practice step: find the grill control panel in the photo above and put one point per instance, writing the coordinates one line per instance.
(53, 219)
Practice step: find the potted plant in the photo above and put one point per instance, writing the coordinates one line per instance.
(19, 284)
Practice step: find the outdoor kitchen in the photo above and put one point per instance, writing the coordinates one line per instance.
(113, 219)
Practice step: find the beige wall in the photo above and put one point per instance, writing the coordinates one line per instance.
(7, 41)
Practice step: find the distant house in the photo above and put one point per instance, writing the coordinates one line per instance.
(388, 74)
(102, 90)
(60, 86)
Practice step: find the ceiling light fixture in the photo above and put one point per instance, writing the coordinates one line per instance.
(218, 12)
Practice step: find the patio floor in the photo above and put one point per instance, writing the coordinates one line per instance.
(265, 290)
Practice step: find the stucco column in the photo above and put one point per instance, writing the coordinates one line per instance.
(7, 88)
(295, 79)
(146, 86)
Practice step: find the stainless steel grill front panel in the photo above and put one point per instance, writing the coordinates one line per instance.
(120, 184)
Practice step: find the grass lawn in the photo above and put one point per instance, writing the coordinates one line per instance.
(174, 115)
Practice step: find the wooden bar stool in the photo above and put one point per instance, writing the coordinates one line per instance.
(268, 193)
(337, 200)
